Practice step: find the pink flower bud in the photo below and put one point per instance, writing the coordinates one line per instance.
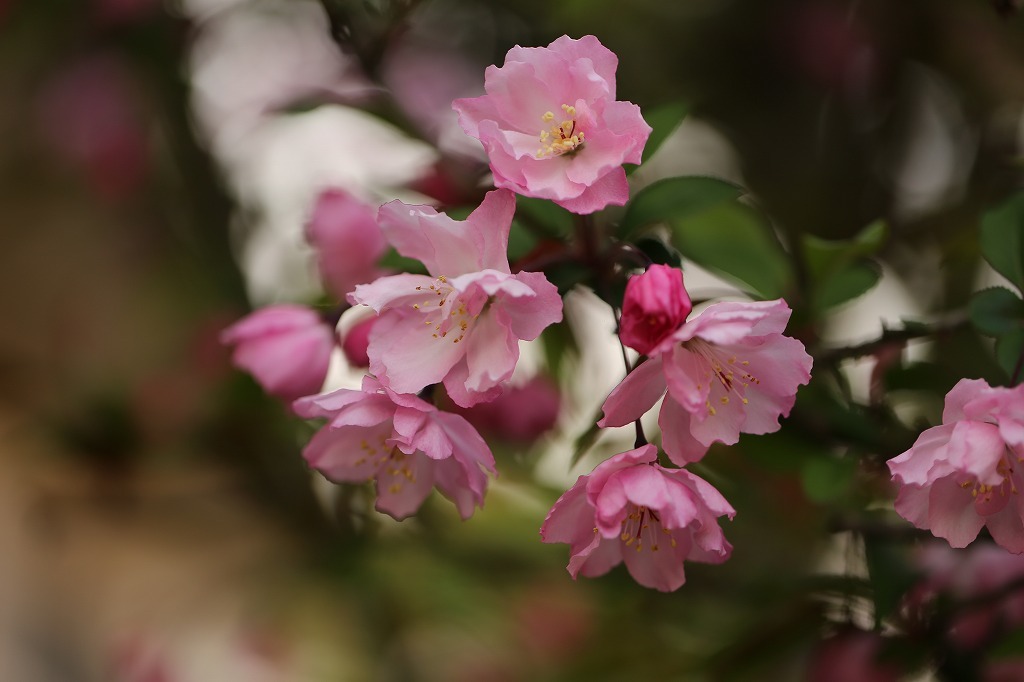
(355, 342)
(656, 304)
(286, 348)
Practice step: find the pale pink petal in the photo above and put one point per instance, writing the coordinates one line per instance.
(611, 189)
(965, 391)
(403, 349)
(598, 478)
(636, 394)
(733, 321)
(528, 316)
(676, 437)
(455, 386)
(348, 242)
(401, 492)
(597, 558)
(346, 454)
(491, 352)
(951, 513)
(689, 379)
(1007, 526)
(661, 570)
(492, 220)
(926, 460)
(325, 404)
(394, 291)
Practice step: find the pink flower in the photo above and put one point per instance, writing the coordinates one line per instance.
(631, 509)
(727, 371)
(965, 474)
(287, 348)
(348, 242)
(656, 304)
(551, 125)
(356, 341)
(462, 324)
(404, 444)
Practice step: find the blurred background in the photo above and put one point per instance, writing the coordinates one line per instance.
(158, 161)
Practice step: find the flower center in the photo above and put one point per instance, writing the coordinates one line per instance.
(732, 373)
(641, 526)
(449, 313)
(989, 499)
(562, 138)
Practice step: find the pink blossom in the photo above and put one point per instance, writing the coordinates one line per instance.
(965, 474)
(287, 348)
(348, 242)
(655, 305)
(551, 125)
(356, 341)
(406, 445)
(631, 509)
(727, 371)
(462, 324)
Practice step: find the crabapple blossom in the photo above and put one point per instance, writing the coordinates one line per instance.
(462, 323)
(726, 371)
(551, 125)
(655, 305)
(631, 509)
(348, 242)
(965, 473)
(287, 349)
(404, 444)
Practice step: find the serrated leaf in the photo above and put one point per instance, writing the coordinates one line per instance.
(1002, 239)
(675, 199)
(735, 241)
(663, 121)
(846, 284)
(996, 311)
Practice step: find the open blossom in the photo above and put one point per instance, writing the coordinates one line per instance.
(348, 242)
(461, 324)
(404, 444)
(552, 127)
(631, 509)
(655, 305)
(726, 371)
(287, 349)
(966, 473)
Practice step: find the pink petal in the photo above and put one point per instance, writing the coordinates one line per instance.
(346, 454)
(403, 349)
(676, 438)
(528, 316)
(951, 513)
(395, 291)
(400, 494)
(611, 189)
(635, 394)
(662, 570)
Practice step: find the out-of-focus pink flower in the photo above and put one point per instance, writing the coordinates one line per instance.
(90, 115)
(851, 656)
(965, 474)
(404, 444)
(727, 371)
(655, 305)
(984, 569)
(462, 324)
(551, 125)
(521, 414)
(631, 509)
(356, 341)
(348, 242)
(287, 348)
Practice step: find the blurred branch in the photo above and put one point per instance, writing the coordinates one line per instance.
(893, 336)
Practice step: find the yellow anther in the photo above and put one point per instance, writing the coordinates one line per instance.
(548, 117)
(725, 400)
(745, 401)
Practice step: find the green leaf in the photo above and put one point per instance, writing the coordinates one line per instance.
(997, 311)
(846, 284)
(890, 571)
(393, 261)
(825, 257)
(663, 121)
(735, 241)
(1002, 239)
(659, 252)
(675, 199)
(520, 241)
(1009, 348)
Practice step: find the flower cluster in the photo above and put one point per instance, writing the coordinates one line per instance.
(726, 371)
(552, 129)
(966, 474)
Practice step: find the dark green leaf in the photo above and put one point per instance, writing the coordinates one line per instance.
(544, 216)
(1009, 348)
(846, 284)
(659, 252)
(675, 199)
(825, 257)
(663, 121)
(997, 311)
(393, 261)
(1002, 239)
(735, 241)
(891, 575)
(520, 241)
